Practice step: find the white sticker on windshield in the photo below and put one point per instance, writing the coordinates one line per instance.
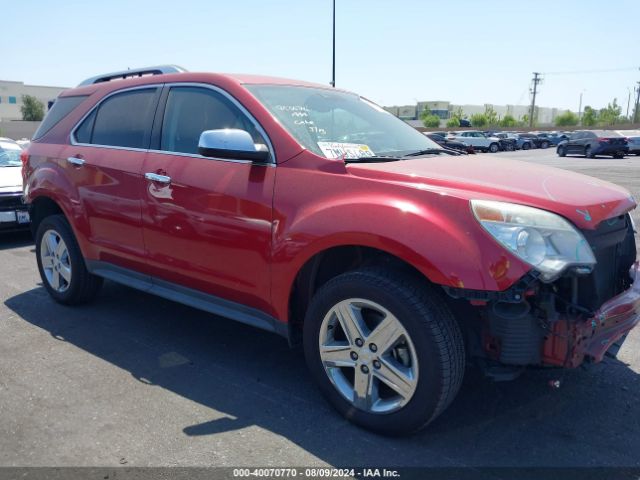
(345, 150)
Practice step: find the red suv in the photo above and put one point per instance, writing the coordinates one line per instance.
(313, 213)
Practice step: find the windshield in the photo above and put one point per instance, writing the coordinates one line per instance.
(10, 155)
(336, 124)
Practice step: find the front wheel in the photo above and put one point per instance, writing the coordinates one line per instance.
(526, 146)
(384, 349)
(61, 264)
(494, 147)
(544, 144)
(562, 152)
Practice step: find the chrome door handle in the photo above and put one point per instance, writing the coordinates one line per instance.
(75, 161)
(154, 177)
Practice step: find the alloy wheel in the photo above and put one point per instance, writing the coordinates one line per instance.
(56, 263)
(368, 356)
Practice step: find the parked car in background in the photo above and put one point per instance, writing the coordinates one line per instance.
(520, 143)
(14, 214)
(349, 233)
(443, 141)
(633, 140)
(536, 141)
(478, 140)
(23, 142)
(594, 142)
(554, 138)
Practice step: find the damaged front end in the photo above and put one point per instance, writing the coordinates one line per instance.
(576, 318)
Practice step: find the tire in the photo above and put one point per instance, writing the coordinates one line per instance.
(544, 145)
(61, 264)
(618, 155)
(587, 152)
(494, 147)
(426, 334)
(526, 146)
(562, 152)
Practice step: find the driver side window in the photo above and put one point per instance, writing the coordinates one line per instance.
(192, 110)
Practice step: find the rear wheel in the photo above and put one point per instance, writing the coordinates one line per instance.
(526, 146)
(384, 349)
(494, 147)
(618, 155)
(544, 144)
(61, 265)
(562, 151)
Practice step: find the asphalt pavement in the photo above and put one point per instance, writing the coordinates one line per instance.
(136, 380)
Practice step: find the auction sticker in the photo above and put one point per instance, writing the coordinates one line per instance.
(345, 150)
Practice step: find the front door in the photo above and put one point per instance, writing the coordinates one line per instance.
(206, 221)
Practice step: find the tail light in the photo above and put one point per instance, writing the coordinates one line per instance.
(24, 157)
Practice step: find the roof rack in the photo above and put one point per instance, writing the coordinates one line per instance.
(136, 72)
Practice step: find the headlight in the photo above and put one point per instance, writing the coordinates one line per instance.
(543, 239)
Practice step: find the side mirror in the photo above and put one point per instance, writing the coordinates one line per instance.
(231, 143)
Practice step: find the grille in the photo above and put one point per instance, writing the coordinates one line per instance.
(614, 247)
(11, 201)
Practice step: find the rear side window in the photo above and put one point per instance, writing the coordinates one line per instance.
(62, 107)
(122, 120)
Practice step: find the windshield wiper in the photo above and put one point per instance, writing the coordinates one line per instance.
(375, 159)
(430, 151)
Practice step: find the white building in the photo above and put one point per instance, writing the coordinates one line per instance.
(11, 97)
(544, 116)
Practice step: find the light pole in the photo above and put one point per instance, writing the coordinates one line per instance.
(580, 108)
(628, 102)
(333, 71)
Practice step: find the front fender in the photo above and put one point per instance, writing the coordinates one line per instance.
(434, 232)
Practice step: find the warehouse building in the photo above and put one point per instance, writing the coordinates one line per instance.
(411, 113)
(11, 97)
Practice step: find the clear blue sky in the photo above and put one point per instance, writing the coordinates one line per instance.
(392, 51)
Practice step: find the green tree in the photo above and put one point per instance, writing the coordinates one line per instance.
(508, 121)
(453, 122)
(567, 119)
(611, 114)
(491, 115)
(32, 109)
(429, 120)
(589, 117)
(479, 120)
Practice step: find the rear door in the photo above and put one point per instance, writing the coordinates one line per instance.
(207, 222)
(104, 162)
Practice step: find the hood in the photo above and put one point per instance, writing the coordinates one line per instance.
(10, 179)
(584, 200)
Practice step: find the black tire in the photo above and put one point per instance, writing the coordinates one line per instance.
(562, 152)
(526, 146)
(618, 155)
(544, 144)
(83, 286)
(494, 147)
(426, 318)
(587, 152)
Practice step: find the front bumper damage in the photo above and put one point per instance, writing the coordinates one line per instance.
(572, 342)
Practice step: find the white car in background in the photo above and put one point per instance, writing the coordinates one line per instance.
(13, 211)
(478, 140)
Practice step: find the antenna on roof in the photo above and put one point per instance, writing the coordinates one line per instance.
(136, 72)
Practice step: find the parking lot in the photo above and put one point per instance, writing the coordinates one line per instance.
(140, 381)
